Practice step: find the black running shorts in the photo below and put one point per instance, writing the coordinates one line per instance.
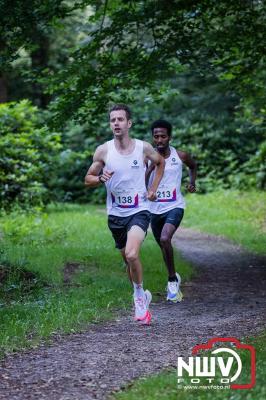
(119, 226)
(158, 221)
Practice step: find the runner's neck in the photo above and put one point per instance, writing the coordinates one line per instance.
(125, 145)
(165, 153)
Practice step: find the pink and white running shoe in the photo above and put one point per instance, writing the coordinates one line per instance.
(142, 313)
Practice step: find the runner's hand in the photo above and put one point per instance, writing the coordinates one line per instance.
(151, 195)
(106, 175)
(191, 188)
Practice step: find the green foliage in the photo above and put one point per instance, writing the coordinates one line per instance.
(68, 183)
(136, 43)
(253, 172)
(21, 22)
(78, 145)
(199, 64)
(49, 47)
(28, 156)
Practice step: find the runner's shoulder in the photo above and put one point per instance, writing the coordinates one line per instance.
(147, 147)
(101, 152)
(183, 155)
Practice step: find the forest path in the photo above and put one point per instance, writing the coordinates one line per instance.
(226, 298)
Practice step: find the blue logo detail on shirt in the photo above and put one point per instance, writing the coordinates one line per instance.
(135, 166)
(174, 161)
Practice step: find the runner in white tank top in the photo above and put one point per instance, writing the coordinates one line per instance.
(168, 210)
(169, 194)
(126, 191)
(119, 164)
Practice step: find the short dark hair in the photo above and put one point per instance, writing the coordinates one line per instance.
(161, 123)
(121, 106)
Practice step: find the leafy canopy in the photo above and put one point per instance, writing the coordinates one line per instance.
(135, 44)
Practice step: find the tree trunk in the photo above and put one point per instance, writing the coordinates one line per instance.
(39, 59)
(3, 89)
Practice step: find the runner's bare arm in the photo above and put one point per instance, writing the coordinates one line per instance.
(192, 165)
(159, 163)
(149, 169)
(94, 177)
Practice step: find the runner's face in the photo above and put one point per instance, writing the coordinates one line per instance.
(119, 123)
(161, 139)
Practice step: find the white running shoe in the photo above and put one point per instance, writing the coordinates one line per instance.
(174, 293)
(142, 313)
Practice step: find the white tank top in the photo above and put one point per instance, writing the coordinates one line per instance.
(168, 193)
(126, 191)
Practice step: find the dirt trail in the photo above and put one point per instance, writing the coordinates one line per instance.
(227, 298)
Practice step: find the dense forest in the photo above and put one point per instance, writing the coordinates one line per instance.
(199, 64)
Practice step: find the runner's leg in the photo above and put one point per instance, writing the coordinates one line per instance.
(142, 298)
(122, 251)
(167, 248)
(135, 237)
(164, 227)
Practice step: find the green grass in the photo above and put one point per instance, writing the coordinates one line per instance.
(37, 306)
(235, 215)
(164, 385)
